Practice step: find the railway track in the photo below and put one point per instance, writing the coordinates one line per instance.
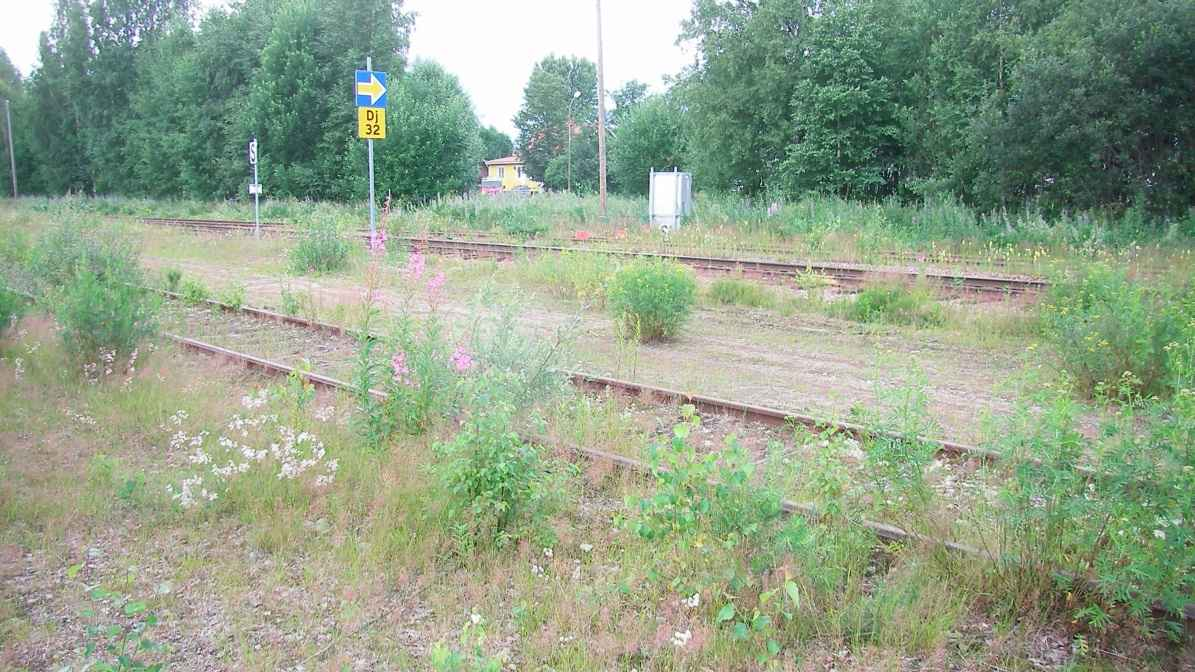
(882, 530)
(847, 275)
(751, 413)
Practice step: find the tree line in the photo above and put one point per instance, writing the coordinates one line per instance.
(1061, 104)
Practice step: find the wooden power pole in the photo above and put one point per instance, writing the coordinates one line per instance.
(601, 117)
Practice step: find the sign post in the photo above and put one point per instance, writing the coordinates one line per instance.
(255, 189)
(369, 89)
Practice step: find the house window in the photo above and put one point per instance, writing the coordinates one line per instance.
(518, 171)
(501, 171)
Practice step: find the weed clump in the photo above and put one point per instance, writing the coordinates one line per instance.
(321, 249)
(11, 307)
(738, 292)
(893, 304)
(1111, 333)
(499, 487)
(103, 316)
(652, 299)
(573, 275)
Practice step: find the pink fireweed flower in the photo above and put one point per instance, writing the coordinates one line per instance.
(435, 284)
(415, 265)
(377, 242)
(402, 373)
(462, 361)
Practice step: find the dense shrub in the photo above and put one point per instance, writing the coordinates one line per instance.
(652, 299)
(893, 304)
(737, 292)
(1110, 332)
(321, 249)
(103, 317)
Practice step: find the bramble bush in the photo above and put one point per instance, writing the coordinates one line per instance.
(321, 248)
(652, 298)
(1108, 330)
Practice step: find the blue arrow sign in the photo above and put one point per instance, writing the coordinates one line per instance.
(370, 88)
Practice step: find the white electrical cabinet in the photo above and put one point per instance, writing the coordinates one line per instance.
(670, 199)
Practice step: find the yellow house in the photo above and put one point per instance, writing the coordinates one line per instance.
(506, 174)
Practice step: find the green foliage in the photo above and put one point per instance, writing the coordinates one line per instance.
(78, 244)
(549, 102)
(194, 292)
(275, 71)
(712, 495)
(578, 276)
(11, 308)
(737, 292)
(1124, 522)
(719, 530)
(470, 657)
(322, 248)
(1111, 332)
(119, 643)
(233, 296)
(171, 278)
(495, 144)
(434, 146)
(893, 304)
(653, 298)
(843, 108)
(291, 304)
(103, 318)
(650, 135)
(500, 489)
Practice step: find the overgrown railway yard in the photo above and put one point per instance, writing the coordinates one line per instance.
(567, 451)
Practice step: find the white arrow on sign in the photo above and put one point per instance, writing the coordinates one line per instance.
(373, 88)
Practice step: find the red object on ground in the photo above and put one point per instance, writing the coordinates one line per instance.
(582, 235)
(620, 234)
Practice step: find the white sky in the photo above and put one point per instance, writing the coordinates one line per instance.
(490, 45)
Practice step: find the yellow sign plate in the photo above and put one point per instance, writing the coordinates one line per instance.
(371, 123)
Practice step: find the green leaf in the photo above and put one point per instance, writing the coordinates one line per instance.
(134, 608)
(793, 593)
(741, 630)
(725, 613)
(73, 571)
(773, 647)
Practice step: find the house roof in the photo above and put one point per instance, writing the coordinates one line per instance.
(505, 161)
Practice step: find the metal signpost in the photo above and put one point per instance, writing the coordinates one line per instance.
(369, 89)
(255, 189)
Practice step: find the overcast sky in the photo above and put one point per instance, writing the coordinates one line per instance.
(491, 46)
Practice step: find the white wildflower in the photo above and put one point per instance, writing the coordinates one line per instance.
(680, 639)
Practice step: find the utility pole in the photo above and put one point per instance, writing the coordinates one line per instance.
(601, 118)
(12, 157)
